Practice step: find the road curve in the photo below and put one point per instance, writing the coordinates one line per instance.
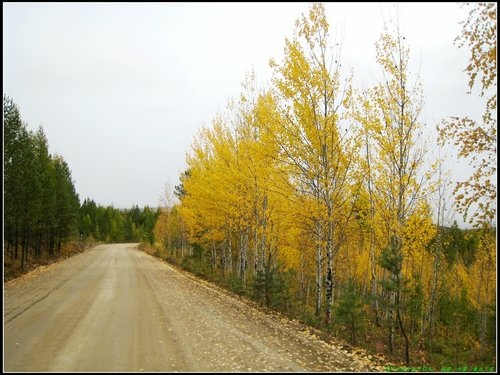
(115, 308)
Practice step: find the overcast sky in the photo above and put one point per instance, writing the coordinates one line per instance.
(121, 89)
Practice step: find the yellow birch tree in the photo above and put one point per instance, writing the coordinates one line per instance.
(312, 99)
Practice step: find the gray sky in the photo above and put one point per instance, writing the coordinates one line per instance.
(121, 89)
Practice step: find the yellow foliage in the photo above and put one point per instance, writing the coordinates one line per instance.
(477, 140)
(309, 171)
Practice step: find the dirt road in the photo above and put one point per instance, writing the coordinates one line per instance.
(114, 308)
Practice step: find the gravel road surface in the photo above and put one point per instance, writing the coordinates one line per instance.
(115, 308)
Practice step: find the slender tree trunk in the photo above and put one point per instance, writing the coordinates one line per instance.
(434, 284)
(25, 245)
(230, 252)
(263, 243)
(212, 257)
(23, 249)
(374, 293)
(319, 283)
(401, 327)
(240, 255)
(243, 254)
(255, 249)
(328, 288)
(223, 259)
(16, 241)
(391, 322)
(182, 238)
(307, 292)
(50, 242)
(59, 242)
(255, 233)
(38, 246)
(8, 243)
(483, 322)
(301, 277)
(329, 268)
(374, 303)
(267, 281)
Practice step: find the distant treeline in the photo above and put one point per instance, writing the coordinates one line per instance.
(42, 211)
(109, 224)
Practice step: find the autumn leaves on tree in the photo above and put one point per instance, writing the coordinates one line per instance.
(317, 199)
(478, 140)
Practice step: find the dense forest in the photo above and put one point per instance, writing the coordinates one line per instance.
(108, 224)
(43, 218)
(322, 200)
